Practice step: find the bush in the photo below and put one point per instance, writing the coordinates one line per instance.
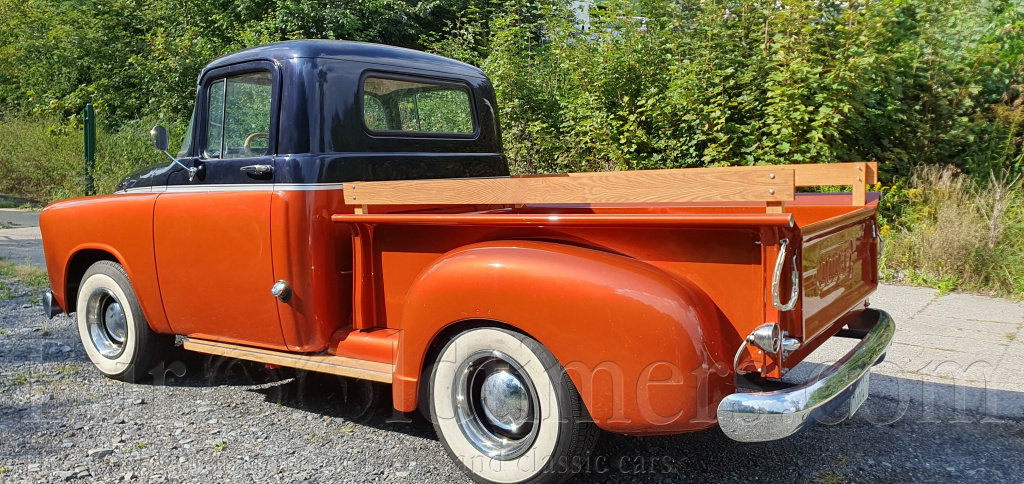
(664, 84)
(945, 230)
(42, 166)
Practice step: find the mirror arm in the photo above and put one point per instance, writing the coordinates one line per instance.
(191, 171)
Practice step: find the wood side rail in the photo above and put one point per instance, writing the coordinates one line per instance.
(773, 185)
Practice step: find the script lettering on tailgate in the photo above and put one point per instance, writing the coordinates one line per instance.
(835, 264)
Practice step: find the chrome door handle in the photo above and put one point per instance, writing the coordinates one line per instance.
(257, 169)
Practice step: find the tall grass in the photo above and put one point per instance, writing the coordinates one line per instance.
(949, 231)
(38, 165)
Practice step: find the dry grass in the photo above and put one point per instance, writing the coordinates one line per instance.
(958, 234)
(28, 274)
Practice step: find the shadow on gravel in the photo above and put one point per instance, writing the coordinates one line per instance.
(364, 402)
(910, 430)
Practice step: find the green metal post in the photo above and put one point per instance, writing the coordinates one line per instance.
(90, 149)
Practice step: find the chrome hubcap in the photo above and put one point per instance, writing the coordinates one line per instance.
(505, 401)
(107, 323)
(496, 405)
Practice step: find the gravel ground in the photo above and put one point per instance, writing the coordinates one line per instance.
(219, 420)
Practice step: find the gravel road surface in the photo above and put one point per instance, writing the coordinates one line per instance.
(946, 406)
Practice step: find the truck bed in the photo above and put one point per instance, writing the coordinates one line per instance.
(725, 249)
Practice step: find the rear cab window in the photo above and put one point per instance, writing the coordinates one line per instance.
(404, 106)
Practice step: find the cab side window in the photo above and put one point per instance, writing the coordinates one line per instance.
(239, 116)
(397, 106)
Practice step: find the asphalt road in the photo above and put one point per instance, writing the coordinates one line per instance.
(947, 405)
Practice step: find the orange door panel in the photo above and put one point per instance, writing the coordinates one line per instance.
(214, 265)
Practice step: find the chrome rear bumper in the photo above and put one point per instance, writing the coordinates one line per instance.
(763, 416)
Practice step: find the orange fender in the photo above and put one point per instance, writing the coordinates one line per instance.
(630, 336)
(115, 227)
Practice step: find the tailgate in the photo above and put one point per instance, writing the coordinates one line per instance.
(840, 269)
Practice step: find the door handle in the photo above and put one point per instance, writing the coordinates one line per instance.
(257, 169)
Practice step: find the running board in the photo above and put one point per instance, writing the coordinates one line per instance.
(321, 362)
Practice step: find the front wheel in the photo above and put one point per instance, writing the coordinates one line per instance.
(506, 411)
(113, 329)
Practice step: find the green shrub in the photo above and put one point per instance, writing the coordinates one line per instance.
(43, 166)
(663, 84)
(945, 230)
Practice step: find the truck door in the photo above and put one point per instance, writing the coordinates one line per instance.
(212, 232)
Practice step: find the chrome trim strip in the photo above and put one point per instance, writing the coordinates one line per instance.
(764, 416)
(307, 187)
(270, 187)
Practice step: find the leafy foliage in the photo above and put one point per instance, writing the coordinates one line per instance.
(658, 83)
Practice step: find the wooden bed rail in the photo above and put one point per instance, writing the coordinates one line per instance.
(773, 185)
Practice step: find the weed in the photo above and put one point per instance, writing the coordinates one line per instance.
(348, 429)
(138, 446)
(946, 231)
(828, 477)
(4, 469)
(3, 332)
(220, 446)
(66, 370)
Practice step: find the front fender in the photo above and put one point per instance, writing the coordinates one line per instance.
(119, 225)
(631, 336)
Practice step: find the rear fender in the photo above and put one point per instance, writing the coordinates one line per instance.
(630, 336)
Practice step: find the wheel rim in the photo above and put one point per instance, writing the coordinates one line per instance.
(107, 322)
(496, 405)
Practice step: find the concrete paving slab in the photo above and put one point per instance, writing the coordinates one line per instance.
(22, 245)
(902, 302)
(953, 343)
(14, 218)
(972, 307)
(1001, 333)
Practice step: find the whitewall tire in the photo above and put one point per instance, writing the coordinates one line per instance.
(506, 411)
(113, 329)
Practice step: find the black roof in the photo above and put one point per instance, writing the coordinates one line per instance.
(352, 51)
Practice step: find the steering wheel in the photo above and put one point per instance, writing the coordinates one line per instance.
(250, 138)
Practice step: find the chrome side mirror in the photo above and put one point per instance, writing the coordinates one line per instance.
(160, 141)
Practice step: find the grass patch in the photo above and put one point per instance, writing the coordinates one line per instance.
(948, 231)
(35, 277)
(23, 378)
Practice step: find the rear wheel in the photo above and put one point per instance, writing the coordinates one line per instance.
(506, 411)
(113, 329)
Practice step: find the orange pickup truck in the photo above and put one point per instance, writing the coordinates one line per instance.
(346, 208)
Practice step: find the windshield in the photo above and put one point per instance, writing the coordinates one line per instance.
(186, 143)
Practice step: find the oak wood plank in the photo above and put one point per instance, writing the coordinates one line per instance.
(323, 363)
(807, 175)
(642, 186)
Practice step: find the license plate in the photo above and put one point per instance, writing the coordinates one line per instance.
(860, 395)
